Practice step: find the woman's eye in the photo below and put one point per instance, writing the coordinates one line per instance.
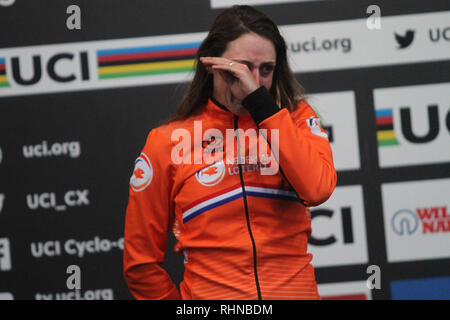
(266, 70)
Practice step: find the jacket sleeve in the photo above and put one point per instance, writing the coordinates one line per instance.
(147, 223)
(304, 152)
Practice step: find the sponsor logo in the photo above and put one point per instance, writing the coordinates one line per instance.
(72, 149)
(211, 175)
(152, 60)
(433, 220)
(338, 229)
(74, 247)
(405, 40)
(5, 255)
(415, 127)
(416, 219)
(48, 200)
(94, 294)
(404, 222)
(248, 164)
(142, 173)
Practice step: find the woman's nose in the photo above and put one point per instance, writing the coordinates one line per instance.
(256, 75)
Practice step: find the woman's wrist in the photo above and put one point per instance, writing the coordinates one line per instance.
(260, 104)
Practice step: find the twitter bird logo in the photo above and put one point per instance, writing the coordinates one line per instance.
(405, 41)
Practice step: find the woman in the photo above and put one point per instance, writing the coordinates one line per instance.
(240, 217)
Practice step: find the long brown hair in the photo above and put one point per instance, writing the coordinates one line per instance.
(228, 26)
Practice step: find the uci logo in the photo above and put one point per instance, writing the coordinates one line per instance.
(60, 67)
(387, 136)
(433, 125)
(346, 237)
(211, 175)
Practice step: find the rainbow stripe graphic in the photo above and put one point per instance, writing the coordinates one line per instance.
(3, 78)
(142, 61)
(385, 128)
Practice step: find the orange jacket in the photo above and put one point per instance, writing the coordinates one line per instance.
(244, 235)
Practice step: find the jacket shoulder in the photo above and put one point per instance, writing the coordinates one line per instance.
(166, 130)
(303, 111)
(167, 135)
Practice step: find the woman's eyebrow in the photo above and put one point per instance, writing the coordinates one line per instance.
(250, 64)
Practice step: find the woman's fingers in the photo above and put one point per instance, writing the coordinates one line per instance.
(221, 66)
(228, 77)
(227, 64)
(235, 74)
(209, 62)
(234, 70)
(214, 60)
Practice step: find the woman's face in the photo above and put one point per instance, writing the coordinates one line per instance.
(259, 55)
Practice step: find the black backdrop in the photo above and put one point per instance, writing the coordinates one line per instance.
(111, 126)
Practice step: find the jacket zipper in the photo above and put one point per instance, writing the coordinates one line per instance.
(281, 170)
(255, 267)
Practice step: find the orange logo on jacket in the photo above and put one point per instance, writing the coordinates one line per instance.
(138, 173)
(209, 171)
(142, 173)
(212, 174)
